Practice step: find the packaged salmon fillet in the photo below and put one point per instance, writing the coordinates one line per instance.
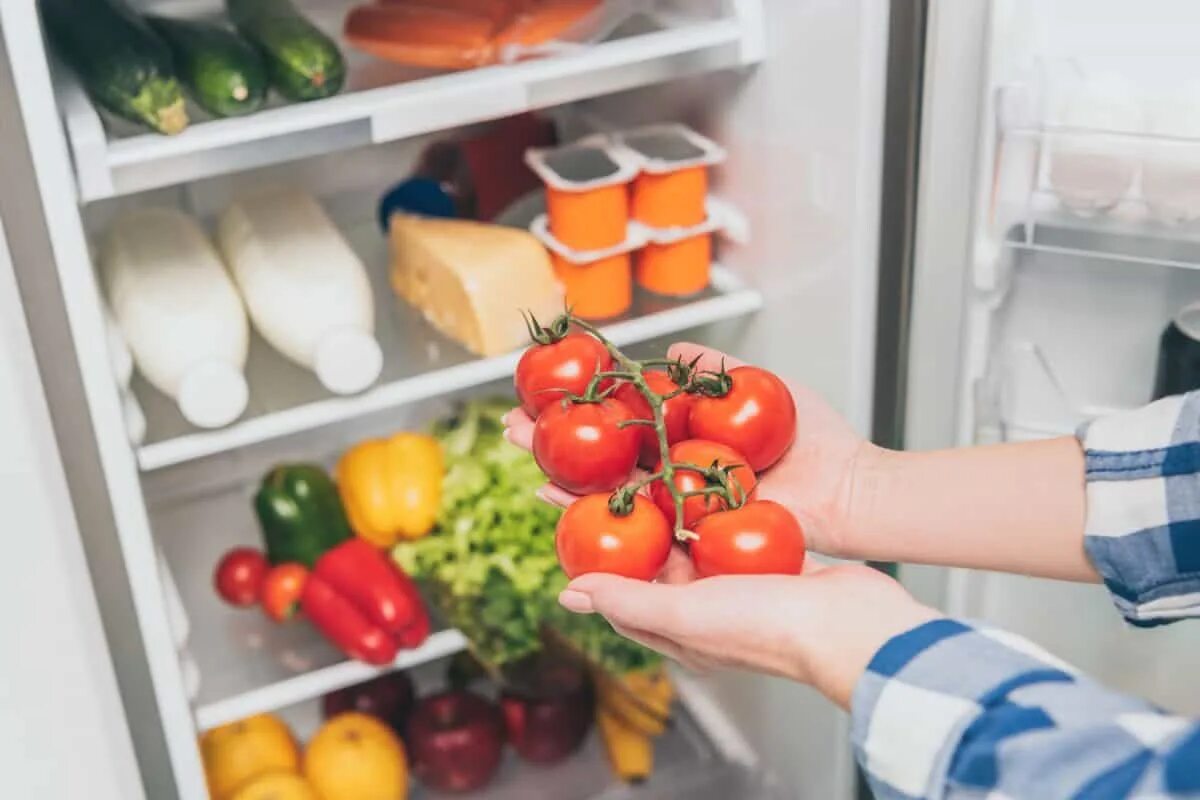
(462, 34)
(546, 20)
(500, 12)
(409, 33)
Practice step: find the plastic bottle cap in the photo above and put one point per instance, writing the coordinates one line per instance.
(1188, 320)
(348, 361)
(213, 394)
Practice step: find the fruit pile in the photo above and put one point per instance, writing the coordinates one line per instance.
(702, 437)
(352, 757)
(377, 734)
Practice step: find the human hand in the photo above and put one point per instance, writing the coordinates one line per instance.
(814, 480)
(821, 628)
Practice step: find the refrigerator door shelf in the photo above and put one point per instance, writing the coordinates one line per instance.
(1129, 196)
(383, 101)
(419, 364)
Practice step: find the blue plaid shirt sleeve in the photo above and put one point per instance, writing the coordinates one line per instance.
(954, 711)
(1143, 499)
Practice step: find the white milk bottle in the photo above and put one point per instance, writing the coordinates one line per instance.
(306, 290)
(179, 312)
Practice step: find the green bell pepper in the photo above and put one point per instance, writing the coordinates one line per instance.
(300, 513)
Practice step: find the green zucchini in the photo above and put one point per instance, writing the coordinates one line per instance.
(304, 63)
(224, 74)
(122, 64)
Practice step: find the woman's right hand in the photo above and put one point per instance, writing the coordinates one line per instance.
(815, 480)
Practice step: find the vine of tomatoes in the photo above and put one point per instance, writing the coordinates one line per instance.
(703, 435)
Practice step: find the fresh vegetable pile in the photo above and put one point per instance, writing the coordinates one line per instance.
(325, 545)
(491, 562)
(703, 434)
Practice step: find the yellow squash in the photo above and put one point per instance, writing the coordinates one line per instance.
(630, 752)
(642, 700)
(391, 488)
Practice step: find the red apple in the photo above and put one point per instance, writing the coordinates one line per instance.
(455, 741)
(389, 697)
(548, 716)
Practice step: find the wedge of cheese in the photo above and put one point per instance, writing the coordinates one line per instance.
(472, 280)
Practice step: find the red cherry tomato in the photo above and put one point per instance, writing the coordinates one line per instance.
(701, 454)
(590, 538)
(239, 576)
(581, 446)
(548, 371)
(757, 417)
(282, 589)
(760, 538)
(675, 414)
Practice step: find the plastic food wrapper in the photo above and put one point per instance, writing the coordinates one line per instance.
(598, 283)
(463, 34)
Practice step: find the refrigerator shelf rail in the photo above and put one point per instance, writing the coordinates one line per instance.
(693, 758)
(319, 682)
(384, 102)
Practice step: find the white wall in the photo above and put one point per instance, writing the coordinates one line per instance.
(62, 727)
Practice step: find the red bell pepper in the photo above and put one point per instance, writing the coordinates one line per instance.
(364, 603)
(336, 617)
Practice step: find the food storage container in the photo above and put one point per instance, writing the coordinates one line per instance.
(464, 34)
(676, 261)
(598, 283)
(671, 188)
(587, 193)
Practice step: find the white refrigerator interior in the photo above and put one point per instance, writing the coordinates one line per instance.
(1073, 244)
(793, 91)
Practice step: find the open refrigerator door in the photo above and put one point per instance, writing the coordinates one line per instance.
(1062, 215)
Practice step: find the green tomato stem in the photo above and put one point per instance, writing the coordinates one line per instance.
(631, 371)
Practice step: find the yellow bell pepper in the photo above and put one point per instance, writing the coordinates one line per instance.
(392, 488)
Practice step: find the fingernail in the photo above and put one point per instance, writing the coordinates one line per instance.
(508, 436)
(575, 601)
(504, 419)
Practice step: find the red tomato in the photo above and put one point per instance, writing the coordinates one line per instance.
(701, 454)
(239, 576)
(581, 446)
(675, 414)
(757, 417)
(548, 371)
(281, 590)
(590, 538)
(760, 538)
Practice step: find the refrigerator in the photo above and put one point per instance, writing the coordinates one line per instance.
(944, 220)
